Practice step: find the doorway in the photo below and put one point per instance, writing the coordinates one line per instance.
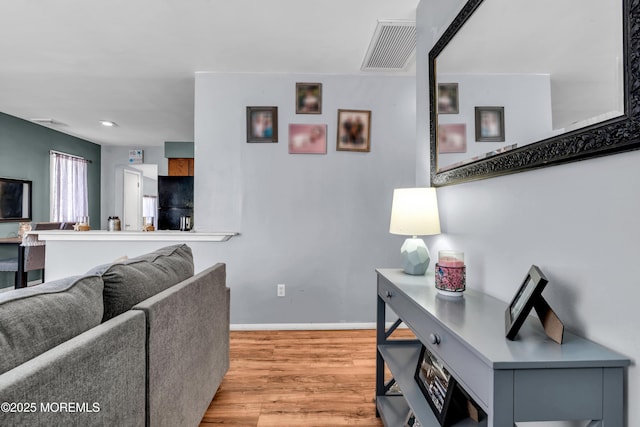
(132, 200)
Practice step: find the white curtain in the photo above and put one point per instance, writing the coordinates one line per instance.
(69, 198)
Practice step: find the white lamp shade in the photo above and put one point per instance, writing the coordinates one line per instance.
(414, 212)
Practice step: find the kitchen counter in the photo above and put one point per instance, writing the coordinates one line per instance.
(126, 236)
(71, 253)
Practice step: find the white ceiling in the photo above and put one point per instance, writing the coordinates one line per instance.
(134, 61)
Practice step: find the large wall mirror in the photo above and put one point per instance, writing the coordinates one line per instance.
(516, 84)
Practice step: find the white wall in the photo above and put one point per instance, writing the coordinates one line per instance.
(578, 222)
(317, 223)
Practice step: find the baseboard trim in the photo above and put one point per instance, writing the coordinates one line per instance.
(300, 326)
(304, 326)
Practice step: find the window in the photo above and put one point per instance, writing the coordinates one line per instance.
(69, 199)
(150, 210)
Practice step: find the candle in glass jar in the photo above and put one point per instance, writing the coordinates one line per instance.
(451, 273)
(451, 259)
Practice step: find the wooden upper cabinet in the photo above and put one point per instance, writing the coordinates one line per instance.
(180, 167)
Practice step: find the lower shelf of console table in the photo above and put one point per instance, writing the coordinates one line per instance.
(394, 409)
(529, 379)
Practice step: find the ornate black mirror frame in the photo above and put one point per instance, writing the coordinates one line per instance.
(612, 136)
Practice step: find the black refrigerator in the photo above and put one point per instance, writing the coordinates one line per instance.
(175, 199)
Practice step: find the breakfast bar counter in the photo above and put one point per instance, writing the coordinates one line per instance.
(127, 236)
(75, 252)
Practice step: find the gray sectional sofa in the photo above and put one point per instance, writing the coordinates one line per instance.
(138, 342)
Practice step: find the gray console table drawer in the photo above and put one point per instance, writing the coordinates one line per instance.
(558, 385)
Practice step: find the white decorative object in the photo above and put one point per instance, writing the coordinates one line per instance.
(414, 212)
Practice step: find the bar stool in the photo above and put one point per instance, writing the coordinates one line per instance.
(31, 257)
(46, 225)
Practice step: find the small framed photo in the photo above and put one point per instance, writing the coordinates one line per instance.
(452, 138)
(307, 139)
(447, 98)
(524, 300)
(490, 124)
(354, 130)
(308, 98)
(262, 124)
(440, 389)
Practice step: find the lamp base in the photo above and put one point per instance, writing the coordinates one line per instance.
(415, 256)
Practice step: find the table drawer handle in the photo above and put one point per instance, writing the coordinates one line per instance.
(434, 339)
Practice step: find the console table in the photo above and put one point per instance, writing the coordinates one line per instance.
(529, 379)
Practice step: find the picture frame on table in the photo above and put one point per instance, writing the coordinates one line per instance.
(489, 124)
(308, 98)
(440, 389)
(528, 293)
(262, 124)
(354, 130)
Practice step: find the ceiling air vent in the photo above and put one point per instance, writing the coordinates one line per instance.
(392, 48)
(47, 121)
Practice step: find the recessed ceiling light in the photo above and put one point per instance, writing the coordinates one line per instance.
(108, 123)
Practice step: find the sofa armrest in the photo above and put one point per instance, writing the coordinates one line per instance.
(187, 347)
(94, 379)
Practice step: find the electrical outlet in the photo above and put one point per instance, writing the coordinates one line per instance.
(281, 289)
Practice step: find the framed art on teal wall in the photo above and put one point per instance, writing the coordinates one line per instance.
(15, 200)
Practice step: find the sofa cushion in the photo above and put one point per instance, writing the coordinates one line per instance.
(131, 281)
(36, 319)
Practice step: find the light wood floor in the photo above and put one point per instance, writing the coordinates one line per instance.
(298, 378)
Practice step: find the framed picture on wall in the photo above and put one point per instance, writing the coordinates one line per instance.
(262, 124)
(489, 124)
(308, 98)
(307, 139)
(452, 138)
(447, 98)
(354, 130)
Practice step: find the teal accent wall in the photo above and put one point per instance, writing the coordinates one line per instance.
(179, 149)
(24, 154)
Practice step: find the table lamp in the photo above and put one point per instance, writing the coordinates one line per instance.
(414, 212)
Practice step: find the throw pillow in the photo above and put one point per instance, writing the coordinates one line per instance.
(41, 317)
(131, 281)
